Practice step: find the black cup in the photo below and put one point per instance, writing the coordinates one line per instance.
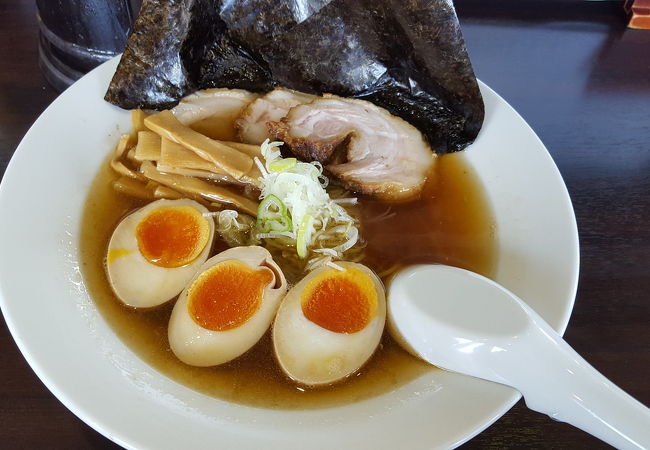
(78, 35)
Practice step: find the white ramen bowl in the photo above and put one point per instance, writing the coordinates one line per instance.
(79, 358)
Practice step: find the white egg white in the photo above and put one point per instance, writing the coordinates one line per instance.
(136, 281)
(313, 355)
(199, 346)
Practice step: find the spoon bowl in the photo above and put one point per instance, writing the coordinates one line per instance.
(463, 322)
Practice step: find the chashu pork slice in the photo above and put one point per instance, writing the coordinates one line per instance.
(213, 111)
(367, 148)
(272, 107)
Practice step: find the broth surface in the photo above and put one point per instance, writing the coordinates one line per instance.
(452, 224)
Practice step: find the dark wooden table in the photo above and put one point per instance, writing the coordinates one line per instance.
(580, 79)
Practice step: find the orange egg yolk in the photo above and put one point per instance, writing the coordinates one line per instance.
(172, 236)
(342, 302)
(227, 294)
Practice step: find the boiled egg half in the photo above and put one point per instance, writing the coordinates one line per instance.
(157, 249)
(227, 307)
(329, 324)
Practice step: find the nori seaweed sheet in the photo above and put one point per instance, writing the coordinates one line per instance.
(407, 56)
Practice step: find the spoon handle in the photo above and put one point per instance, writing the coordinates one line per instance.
(555, 380)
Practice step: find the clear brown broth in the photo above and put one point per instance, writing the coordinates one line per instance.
(452, 223)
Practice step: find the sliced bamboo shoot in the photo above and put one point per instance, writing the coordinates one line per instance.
(174, 158)
(152, 185)
(197, 173)
(232, 161)
(193, 186)
(175, 155)
(165, 192)
(121, 169)
(125, 143)
(137, 120)
(148, 148)
(130, 155)
(133, 188)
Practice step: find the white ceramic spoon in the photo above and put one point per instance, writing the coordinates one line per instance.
(463, 322)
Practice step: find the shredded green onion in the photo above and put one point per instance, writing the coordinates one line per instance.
(272, 215)
(296, 210)
(281, 165)
(234, 228)
(303, 235)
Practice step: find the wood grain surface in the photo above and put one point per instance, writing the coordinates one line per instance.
(577, 75)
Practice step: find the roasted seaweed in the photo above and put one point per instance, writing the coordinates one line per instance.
(407, 56)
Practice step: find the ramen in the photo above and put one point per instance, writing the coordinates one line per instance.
(450, 222)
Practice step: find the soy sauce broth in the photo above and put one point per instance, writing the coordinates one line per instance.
(452, 223)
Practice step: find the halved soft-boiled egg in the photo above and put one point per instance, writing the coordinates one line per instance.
(330, 324)
(227, 307)
(157, 249)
